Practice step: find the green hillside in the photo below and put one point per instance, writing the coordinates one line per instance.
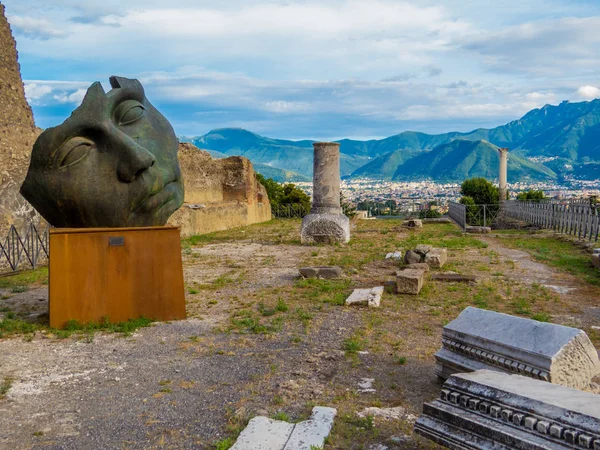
(456, 161)
(566, 135)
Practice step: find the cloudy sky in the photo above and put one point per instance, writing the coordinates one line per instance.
(319, 69)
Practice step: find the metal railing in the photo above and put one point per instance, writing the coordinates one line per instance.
(577, 218)
(293, 211)
(27, 249)
(458, 213)
(482, 215)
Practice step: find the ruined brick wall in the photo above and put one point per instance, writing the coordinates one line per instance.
(219, 193)
(17, 132)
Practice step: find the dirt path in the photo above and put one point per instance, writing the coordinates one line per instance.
(188, 384)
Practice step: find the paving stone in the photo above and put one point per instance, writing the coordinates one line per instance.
(326, 272)
(411, 257)
(436, 258)
(263, 433)
(409, 281)
(312, 432)
(369, 296)
(419, 266)
(413, 223)
(423, 249)
(492, 410)
(481, 339)
(446, 276)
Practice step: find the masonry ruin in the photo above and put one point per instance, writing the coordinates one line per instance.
(17, 132)
(219, 193)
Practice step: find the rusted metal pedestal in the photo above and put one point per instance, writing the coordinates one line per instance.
(115, 273)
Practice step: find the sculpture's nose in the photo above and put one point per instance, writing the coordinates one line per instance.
(133, 159)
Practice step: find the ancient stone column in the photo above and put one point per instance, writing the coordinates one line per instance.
(503, 173)
(326, 222)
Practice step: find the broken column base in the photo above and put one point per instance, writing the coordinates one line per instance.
(492, 410)
(325, 228)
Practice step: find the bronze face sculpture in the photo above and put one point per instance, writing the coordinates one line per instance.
(113, 163)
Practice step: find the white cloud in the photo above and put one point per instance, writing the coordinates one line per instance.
(588, 92)
(35, 28)
(75, 97)
(35, 91)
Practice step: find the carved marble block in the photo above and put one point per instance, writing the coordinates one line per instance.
(492, 410)
(481, 339)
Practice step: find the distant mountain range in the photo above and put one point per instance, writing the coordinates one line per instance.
(553, 142)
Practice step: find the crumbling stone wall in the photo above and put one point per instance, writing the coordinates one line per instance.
(17, 133)
(219, 193)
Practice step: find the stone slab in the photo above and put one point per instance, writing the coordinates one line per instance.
(312, 432)
(263, 433)
(481, 339)
(596, 260)
(419, 266)
(325, 272)
(596, 250)
(436, 258)
(453, 277)
(325, 228)
(491, 410)
(370, 297)
(409, 281)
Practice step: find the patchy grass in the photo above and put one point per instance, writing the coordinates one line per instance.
(20, 281)
(5, 386)
(557, 253)
(10, 326)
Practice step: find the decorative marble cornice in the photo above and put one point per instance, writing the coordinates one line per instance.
(543, 426)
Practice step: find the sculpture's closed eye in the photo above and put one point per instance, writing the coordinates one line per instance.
(73, 151)
(128, 112)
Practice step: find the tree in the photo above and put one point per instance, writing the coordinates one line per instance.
(531, 195)
(274, 189)
(293, 195)
(481, 191)
(347, 208)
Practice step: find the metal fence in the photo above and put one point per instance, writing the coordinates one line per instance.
(576, 218)
(26, 249)
(458, 213)
(293, 211)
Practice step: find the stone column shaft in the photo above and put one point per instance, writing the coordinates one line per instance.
(326, 178)
(502, 177)
(326, 223)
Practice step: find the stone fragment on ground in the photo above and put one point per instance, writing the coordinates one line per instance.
(395, 255)
(413, 223)
(366, 385)
(492, 410)
(370, 297)
(412, 257)
(383, 413)
(453, 277)
(419, 266)
(263, 433)
(409, 281)
(423, 249)
(478, 230)
(436, 258)
(478, 339)
(596, 260)
(325, 272)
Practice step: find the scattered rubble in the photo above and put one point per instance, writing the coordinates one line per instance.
(370, 297)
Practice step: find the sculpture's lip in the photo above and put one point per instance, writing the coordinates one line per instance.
(156, 201)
